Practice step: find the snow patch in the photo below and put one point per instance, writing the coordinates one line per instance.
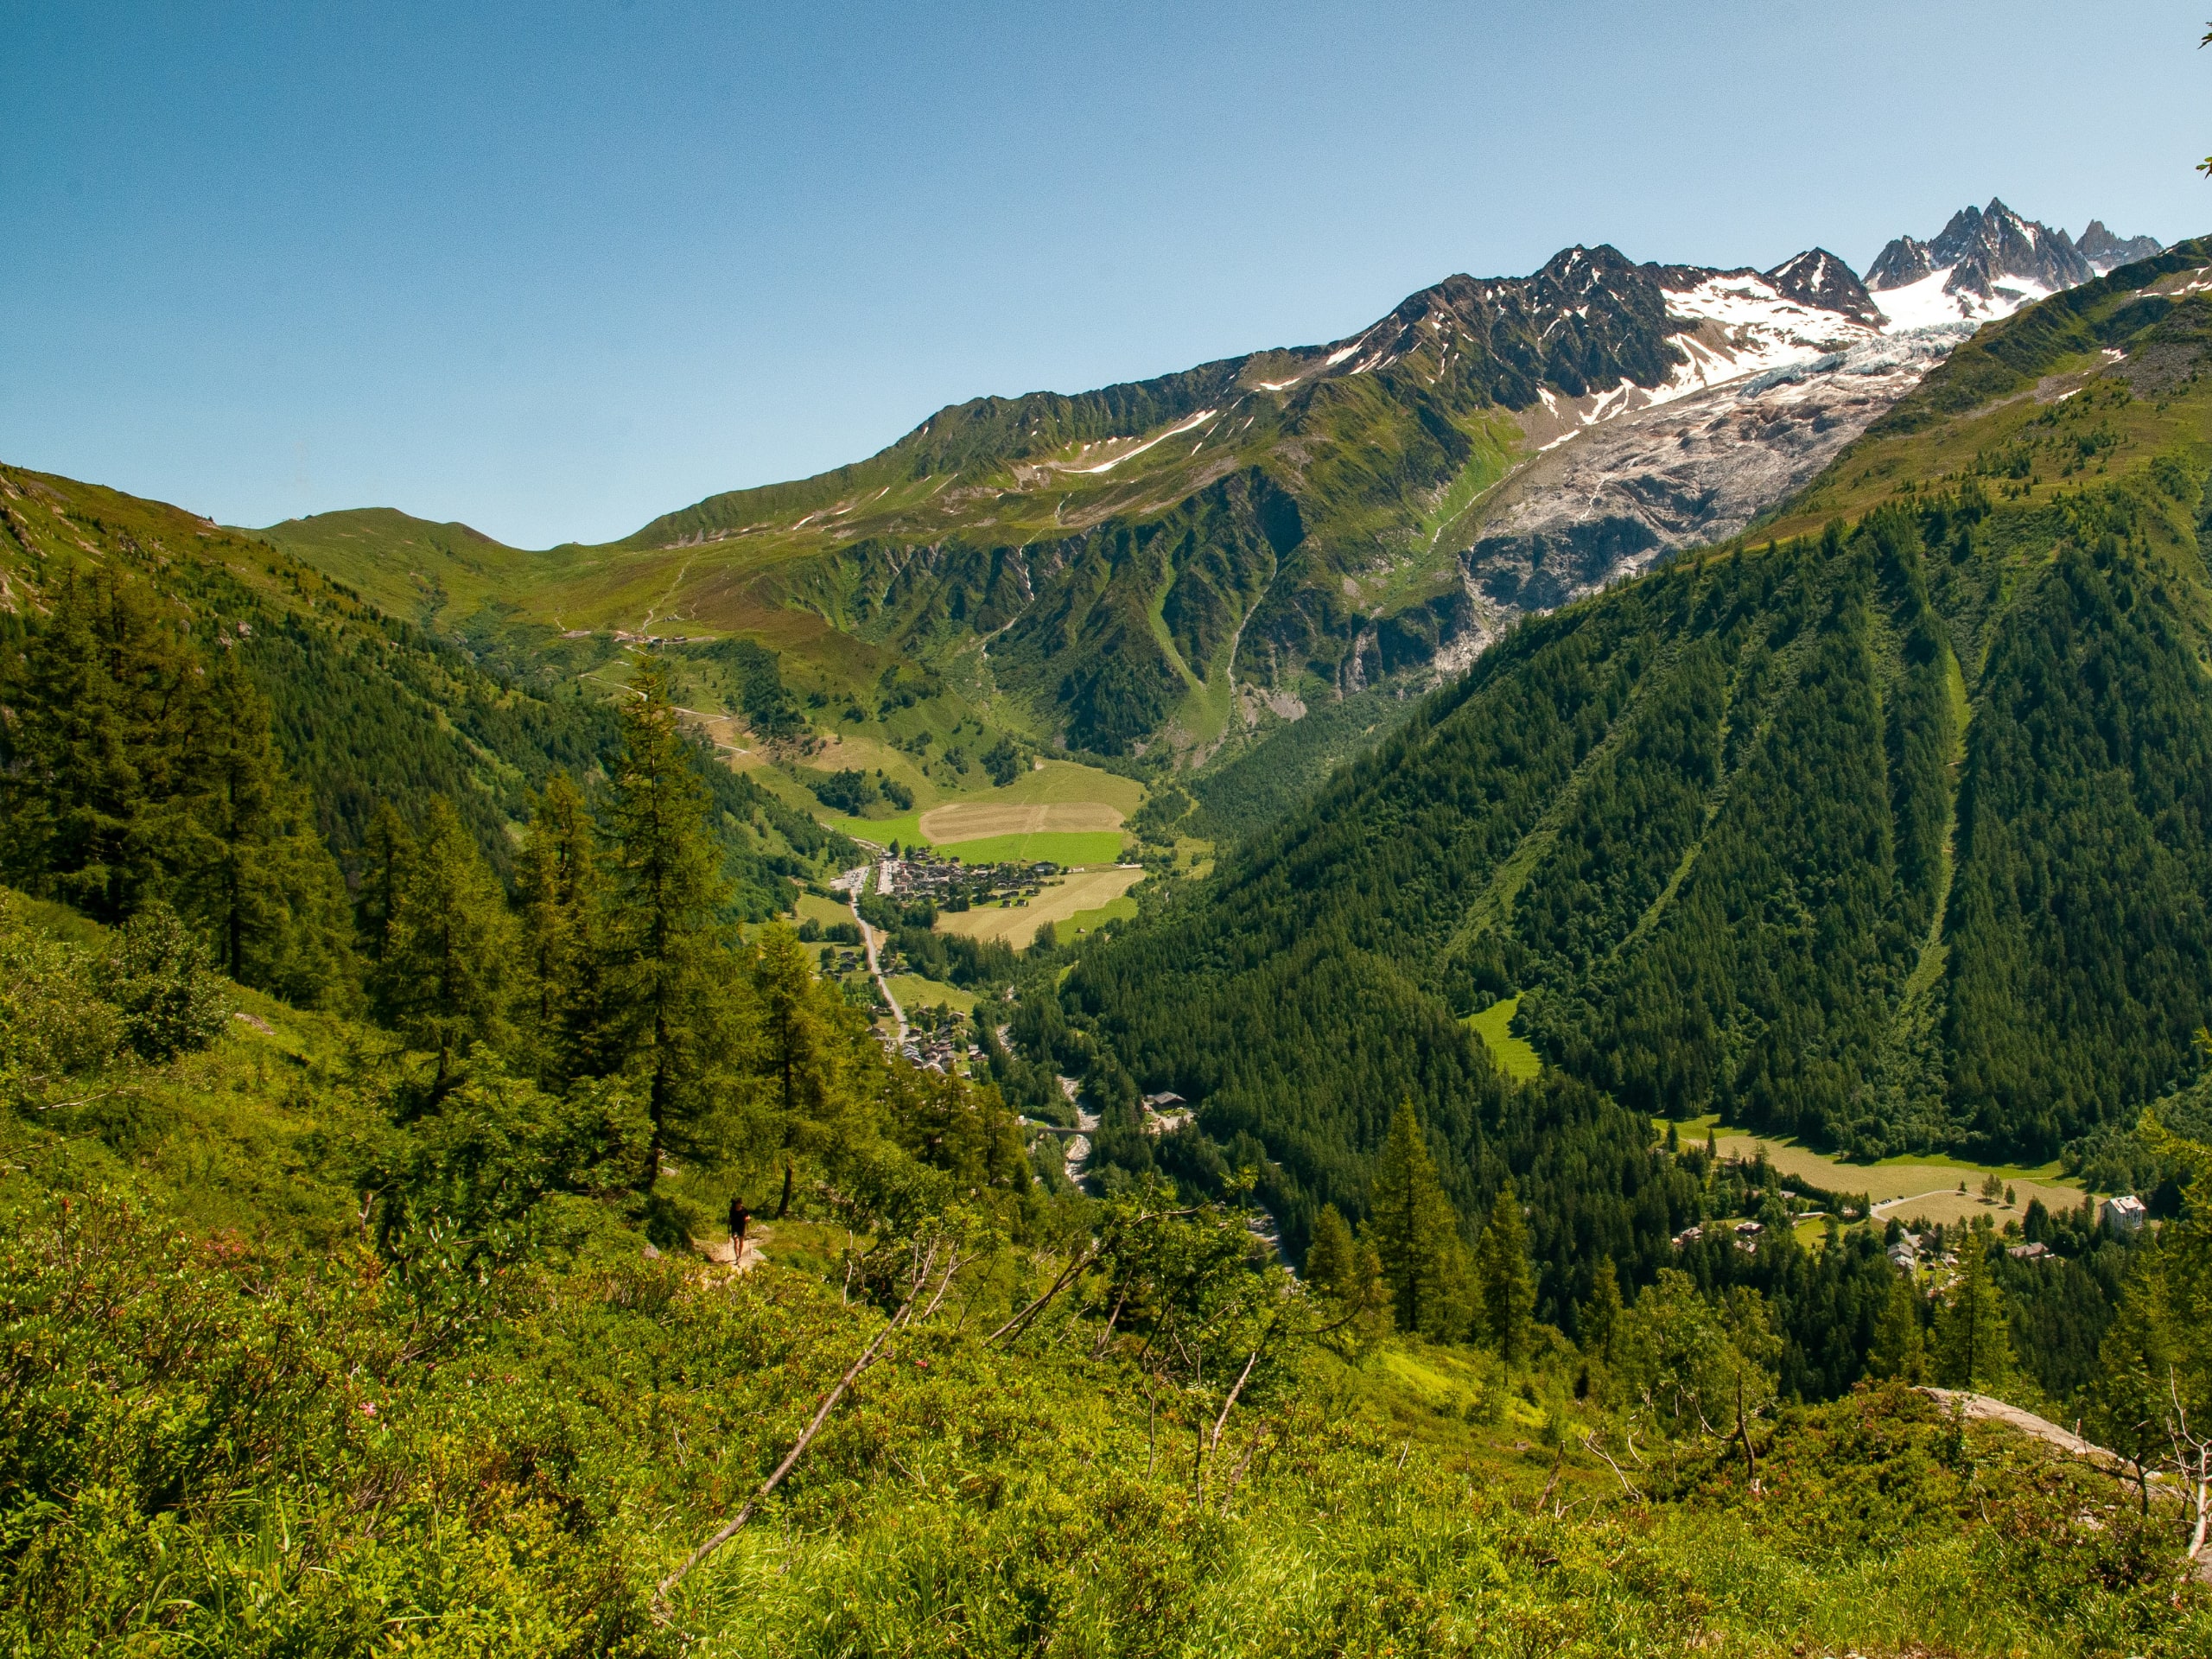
(1924, 304)
(1199, 419)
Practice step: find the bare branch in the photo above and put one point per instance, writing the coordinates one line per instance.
(1021, 1321)
(728, 1530)
(1590, 1444)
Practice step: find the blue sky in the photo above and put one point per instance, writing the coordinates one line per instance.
(555, 269)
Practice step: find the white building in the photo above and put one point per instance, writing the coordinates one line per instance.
(2124, 1215)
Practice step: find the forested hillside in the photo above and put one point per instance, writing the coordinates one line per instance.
(413, 1322)
(362, 707)
(1890, 834)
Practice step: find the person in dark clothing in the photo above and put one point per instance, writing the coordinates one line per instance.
(740, 1216)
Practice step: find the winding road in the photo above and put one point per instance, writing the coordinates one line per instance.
(852, 882)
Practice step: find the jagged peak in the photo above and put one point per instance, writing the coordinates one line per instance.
(1817, 277)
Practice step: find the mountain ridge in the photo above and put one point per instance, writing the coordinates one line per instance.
(1168, 570)
(1888, 835)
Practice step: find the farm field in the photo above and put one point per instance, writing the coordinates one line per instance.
(915, 992)
(981, 820)
(812, 907)
(1084, 921)
(1927, 1185)
(1068, 848)
(1065, 900)
(1068, 814)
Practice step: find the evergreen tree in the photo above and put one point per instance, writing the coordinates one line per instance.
(1507, 1290)
(561, 898)
(1332, 1260)
(254, 874)
(1601, 1314)
(155, 973)
(1972, 1347)
(442, 982)
(667, 897)
(1415, 1230)
(387, 862)
(799, 1015)
(1899, 1350)
(101, 703)
(2139, 1367)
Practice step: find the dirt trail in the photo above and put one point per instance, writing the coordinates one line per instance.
(720, 1250)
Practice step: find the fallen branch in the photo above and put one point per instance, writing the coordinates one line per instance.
(729, 1530)
(1213, 1444)
(1067, 1277)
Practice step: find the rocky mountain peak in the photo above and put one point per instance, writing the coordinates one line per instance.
(2108, 253)
(1988, 262)
(1816, 277)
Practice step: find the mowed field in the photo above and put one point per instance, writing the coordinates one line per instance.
(1062, 901)
(1068, 814)
(1908, 1188)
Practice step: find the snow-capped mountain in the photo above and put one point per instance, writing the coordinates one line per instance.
(1311, 520)
(1989, 263)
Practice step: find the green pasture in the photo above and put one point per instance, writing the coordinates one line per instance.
(1086, 921)
(1494, 1025)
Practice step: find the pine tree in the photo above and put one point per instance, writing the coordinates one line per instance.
(1972, 1347)
(442, 982)
(1601, 1314)
(1508, 1288)
(1900, 1349)
(1415, 1230)
(102, 700)
(1332, 1260)
(561, 898)
(798, 1019)
(668, 893)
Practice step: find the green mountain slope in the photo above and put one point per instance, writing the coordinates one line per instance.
(408, 567)
(1890, 837)
(1168, 568)
(368, 707)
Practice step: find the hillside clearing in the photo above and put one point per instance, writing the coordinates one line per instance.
(1494, 1025)
(1909, 1187)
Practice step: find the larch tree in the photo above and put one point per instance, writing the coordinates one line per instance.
(100, 702)
(1972, 1347)
(1416, 1233)
(1601, 1314)
(561, 900)
(253, 872)
(1501, 1275)
(442, 982)
(668, 935)
(1900, 1347)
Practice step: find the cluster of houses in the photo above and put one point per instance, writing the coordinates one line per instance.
(939, 1050)
(1745, 1234)
(2120, 1216)
(950, 885)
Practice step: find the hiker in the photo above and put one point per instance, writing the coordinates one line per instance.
(739, 1216)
